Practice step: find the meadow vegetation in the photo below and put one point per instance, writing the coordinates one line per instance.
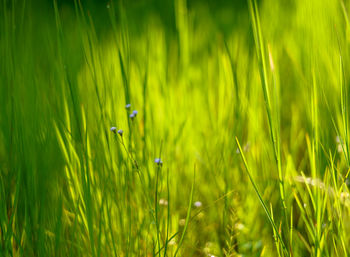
(174, 128)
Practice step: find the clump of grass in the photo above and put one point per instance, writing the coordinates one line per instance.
(106, 108)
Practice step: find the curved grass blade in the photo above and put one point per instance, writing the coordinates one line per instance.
(261, 200)
(188, 215)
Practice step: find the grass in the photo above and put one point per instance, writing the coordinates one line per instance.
(245, 103)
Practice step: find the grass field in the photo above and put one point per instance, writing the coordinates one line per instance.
(236, 141)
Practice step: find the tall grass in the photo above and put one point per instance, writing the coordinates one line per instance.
(245, 103)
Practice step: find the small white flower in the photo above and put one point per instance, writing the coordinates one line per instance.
(198, 204)
(163, 202)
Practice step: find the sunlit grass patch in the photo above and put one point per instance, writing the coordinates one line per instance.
(174, 128)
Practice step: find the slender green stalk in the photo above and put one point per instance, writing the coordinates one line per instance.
(274, 227)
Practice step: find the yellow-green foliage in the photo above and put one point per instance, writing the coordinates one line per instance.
(245, 102)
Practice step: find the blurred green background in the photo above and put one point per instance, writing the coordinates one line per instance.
(203, 76)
